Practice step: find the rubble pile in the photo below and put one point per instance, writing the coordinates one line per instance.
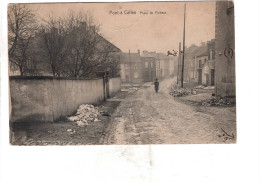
(221, 101)
(204, 87)
(131, 89)
(86, 113)
(209, 88)
(199, 87)
(179, 92)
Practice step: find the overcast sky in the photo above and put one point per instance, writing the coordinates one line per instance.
(152, 32)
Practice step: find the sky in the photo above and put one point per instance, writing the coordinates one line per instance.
(133, 30)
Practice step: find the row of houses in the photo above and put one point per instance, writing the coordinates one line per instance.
(213, 63)
(200, 64)
(145, 67)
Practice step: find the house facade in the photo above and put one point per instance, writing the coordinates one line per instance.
(195, 57)
(225, 49)
(206, 65)
(131, 67)
(211, 63)
(164, 65)
(145, 67)
(201, 68)
(148, 68)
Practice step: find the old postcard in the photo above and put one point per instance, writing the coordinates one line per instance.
(131, 73)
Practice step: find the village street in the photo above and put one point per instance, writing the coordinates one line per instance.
(149, 118)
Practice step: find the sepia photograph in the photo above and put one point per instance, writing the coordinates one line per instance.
(122, 73)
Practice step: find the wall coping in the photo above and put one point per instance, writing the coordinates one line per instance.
(49, 77)
(53, 78)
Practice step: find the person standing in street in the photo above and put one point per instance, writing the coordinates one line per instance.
(156, 85)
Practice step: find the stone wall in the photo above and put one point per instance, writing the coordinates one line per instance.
(114, 86)
(48, 99)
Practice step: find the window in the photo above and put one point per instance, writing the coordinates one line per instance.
(210, 55)
(146, 64)
(135, 75)
(151, 64)
(192, 63)
(200, 64)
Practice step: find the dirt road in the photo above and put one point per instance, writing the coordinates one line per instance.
(149, 118)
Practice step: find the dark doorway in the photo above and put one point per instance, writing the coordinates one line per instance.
(200, 76)
(212, 77)
(207, 79)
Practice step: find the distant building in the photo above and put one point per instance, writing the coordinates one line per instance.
(164, 63)
(225, 49)
(145, 67)
(195, 57)
(131, 67)
(210, 64)
(202, 69)
(148, 67)
(205, 65)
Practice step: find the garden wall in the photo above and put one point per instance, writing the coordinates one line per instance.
(48, 99)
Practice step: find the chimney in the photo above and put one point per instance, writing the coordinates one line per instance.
(83, 26)
(138, 51)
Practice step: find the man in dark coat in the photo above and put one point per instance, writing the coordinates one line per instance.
(156, 85)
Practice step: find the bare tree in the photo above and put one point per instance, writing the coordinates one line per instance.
(53, 34)
(67, 43)
(109, 60)
(83, 32)
(74, 46)
(89, 52)
(21, 54)
(21, 28)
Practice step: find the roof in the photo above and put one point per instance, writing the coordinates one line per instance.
(195, 50)
(130, 57)
(112, 47)
(155, 55)
(203, 54)
(148, 54)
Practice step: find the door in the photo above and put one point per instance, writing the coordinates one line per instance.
(212, 77)
(207, 79)
(200, 76)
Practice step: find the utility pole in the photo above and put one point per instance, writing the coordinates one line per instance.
(159, 67)
(179, 61)
(130, 69)
(183, 51)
